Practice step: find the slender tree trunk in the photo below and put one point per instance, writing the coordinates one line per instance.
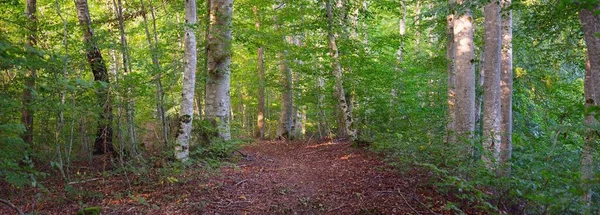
(464, 71)
(186, 117)
(590, 23)
(30, 76)
(337, 71)
(260, 122)
(218, 97)
(129, 102)
(507, 88)
(491, 101)
(103, 143)
(399, 58)
(450, 126)
(160, 106)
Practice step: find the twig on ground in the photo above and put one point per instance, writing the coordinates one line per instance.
(337, 208)
(84, 181)
(12, 206)
(415, 198)
(413, 209)
(240, 182)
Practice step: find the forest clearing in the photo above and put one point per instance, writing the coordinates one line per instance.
(299, 107)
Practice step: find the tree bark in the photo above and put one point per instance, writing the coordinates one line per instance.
(284, 131)
(189, 84)
(30, 76)
(507, 89)
(337, 71)
(218, 98)
(450, 125)
(260, 121)
(591, 27)
(103, 143)
(491, 97)
(464, 71)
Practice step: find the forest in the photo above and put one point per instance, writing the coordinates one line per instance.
(299, 107)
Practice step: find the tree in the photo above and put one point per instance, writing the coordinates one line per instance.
(260, 62)
(590, 22)
(27, 112)
(491, 84)
(464, 70)
(186, 116)
(103, 143)
(450, 49)
(218, 97)
(506, 85)
(286, 117)
(339, 78)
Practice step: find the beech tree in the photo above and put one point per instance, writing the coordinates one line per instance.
(506, 85)
(491, 84)
(464, 68)
(103, 143)
(218, 97)
(590, 22)
(186, 116)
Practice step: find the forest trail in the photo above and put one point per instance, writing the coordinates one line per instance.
(272, 177)
(323, 178)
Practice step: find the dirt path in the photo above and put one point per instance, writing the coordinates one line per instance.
(273, 178)
(325, 178)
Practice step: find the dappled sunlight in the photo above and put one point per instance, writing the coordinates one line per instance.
(322, 144)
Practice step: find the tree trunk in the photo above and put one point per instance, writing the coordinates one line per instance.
(491, 98)
(260, 121)
(507, 89)
(464, 71)
(103, 143)
(284, 131)
(591, 26)
(218, 98)
(129, 102)
(451, 114)
(189, 83)
(160, 106)
(30, 76)
(337, 71)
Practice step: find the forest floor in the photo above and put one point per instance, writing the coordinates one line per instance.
(272, 177)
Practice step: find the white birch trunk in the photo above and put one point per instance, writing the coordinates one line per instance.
(189, 82)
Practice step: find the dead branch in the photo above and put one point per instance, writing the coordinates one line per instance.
(12, 206)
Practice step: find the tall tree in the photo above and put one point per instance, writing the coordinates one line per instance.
(129, 102)
(450, 125)
(464, 70)
(218, 97)
(103, 143)
(491, 84)
(260, 121)
(590, 22)
(339, 77)
(507, 88)
(160, 95)
(186, 117)
(27, 112)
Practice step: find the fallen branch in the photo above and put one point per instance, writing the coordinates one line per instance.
(12, 206)
(240, 182)
(84, 181)
(433, 212)
(334, 209)
(413, 209)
